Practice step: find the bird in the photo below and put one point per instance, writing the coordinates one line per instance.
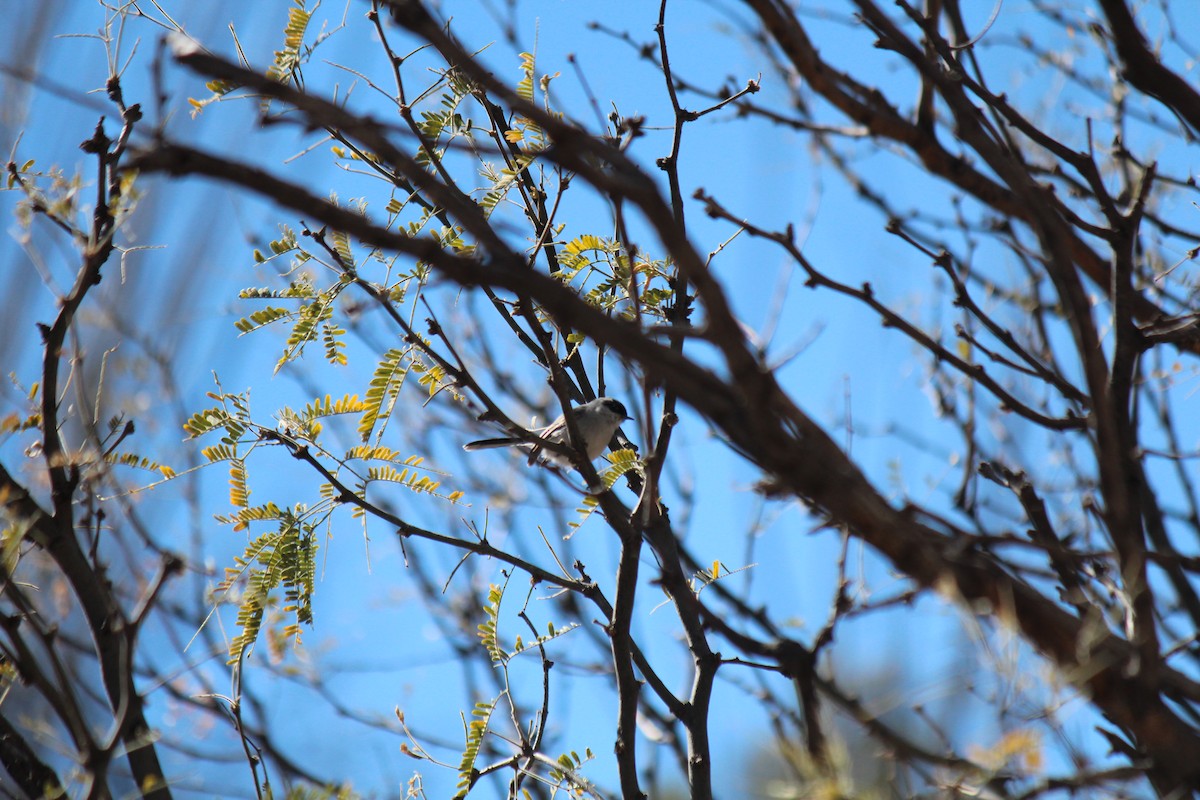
(596, 421)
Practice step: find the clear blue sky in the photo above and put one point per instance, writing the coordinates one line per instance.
(383, 645)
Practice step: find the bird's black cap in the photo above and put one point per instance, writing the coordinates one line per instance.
(616, 407)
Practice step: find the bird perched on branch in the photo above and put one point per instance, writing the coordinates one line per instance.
(596, 422)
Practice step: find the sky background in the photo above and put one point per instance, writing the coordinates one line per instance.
(379, 647)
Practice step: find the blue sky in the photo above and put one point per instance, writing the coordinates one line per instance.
(385, 647)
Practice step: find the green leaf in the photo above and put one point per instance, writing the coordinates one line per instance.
(525, 85)
(382, 391)
(261, 318)
(475, 730)
(239, 493)
(285, 557)
(487, 629)
(287, 58)
(134, 460)
(308, 322)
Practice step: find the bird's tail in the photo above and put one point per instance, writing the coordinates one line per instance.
(484, 444)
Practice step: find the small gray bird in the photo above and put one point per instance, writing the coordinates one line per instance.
(596, 422)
